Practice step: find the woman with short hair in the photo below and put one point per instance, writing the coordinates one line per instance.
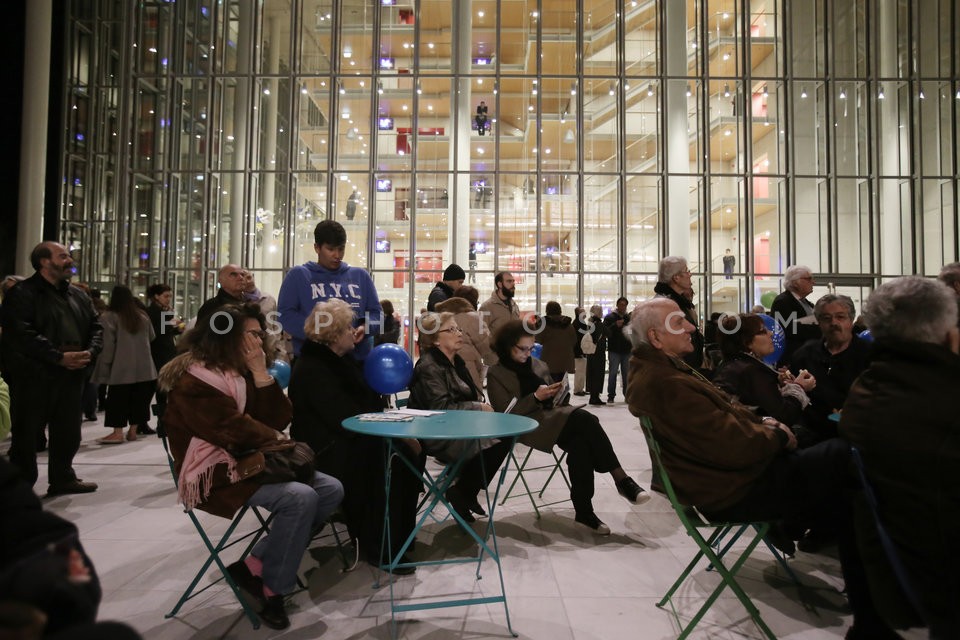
(326, 388)
(521, 377)
(441, 381)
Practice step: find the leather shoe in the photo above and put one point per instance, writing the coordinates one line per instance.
(274, 615)
(780, 540)
(580, 393)
(460, 503)
(145, 430)
(597, 402)
(251, 585)
(74, 486)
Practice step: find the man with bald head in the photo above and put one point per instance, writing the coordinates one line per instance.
(232, 279)
(51, 338)
(731, 464)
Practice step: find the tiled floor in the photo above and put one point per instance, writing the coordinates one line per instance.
(561, 581)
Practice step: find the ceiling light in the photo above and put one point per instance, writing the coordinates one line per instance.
(726, 90)
(880, 95)
(843, 94)
(803, 92)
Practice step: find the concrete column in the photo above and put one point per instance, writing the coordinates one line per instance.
(675, 130)
(241, 124)
(268, 180)
(458, 238)
(33, 130)
(891, 232)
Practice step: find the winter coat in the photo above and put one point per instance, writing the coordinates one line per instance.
(558, 338)
(163, 348)
(713, 449)
(476, 351)
(695, 358)
(755, 384)
(197, 410)
(440, 292)
(496, 312)
(503, 385)
(126, 357)
(902, 416)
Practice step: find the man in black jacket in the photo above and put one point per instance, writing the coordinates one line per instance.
(675, 281)
(618, 347)
(453, 277)
(232, 279)
(794, 312)
(51, 337)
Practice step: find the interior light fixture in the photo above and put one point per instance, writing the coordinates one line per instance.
(649, 90)
(803, 92)
(568, 137)
(765, 93)
(689, 92)
(843, 94)
(922, 97)
(726, 90)
(573, 88)
(419, 89)
(342, 90)
(880, 95)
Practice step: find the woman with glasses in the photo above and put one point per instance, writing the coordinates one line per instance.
(744, 342)
(578, 432)
(222, 404)
(327, 387)
(441, 381)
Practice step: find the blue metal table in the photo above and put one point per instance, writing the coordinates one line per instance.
(450, 425)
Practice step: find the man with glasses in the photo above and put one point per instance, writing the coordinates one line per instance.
(794, 312)
(674, 281)
(835, 361)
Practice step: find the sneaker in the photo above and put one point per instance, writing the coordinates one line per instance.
(274, 614)
(610, 399)
(249, 584)
(592, 522)
(74, 486)
(630, 490)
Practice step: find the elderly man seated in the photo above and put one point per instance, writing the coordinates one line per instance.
(730, 463)
(902, 416)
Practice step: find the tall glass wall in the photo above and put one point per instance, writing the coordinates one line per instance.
(573, 142)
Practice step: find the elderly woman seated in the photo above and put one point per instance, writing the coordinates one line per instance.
(745, 341)
(326, 387)
(222, 403)
(520, 376)
(441, 381)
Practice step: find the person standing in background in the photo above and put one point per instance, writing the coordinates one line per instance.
(729, 262)
(596, 361)
(579, 357)
(618, 347)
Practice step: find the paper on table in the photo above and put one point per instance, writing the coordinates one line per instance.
(406, 411)
(383, 417)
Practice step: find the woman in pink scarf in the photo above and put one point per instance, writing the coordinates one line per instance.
(222, 402)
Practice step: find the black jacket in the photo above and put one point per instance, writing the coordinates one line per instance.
(902, 415)
(32, 342)
(756, 385)
(787, 311)
(616, 341)
(835, 374)
(438, 294)
(694, 359)
(210, 306)
(326, 389)
(163, 347)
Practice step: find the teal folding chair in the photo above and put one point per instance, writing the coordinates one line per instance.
(709, 547)
(260, 527)
(524, 466)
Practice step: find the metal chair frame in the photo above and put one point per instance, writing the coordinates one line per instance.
(522, 466)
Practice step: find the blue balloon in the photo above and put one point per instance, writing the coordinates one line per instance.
(280, 371)
(537, 350)
(388, 368)
(779, 338)
(865, 335)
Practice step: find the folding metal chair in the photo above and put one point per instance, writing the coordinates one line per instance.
(261, 527)
(709, 548)
(522, 466)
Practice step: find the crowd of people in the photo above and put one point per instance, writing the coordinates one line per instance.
(747, 431)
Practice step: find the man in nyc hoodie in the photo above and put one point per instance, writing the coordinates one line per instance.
(329, 277)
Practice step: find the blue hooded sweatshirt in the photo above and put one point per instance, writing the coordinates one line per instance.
(308, 284)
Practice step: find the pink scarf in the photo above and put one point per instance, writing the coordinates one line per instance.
(196, 473)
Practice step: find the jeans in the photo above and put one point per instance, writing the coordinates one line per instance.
(617, 361)
(298, 510)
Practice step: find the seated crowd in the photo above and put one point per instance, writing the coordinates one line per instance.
(749, 440)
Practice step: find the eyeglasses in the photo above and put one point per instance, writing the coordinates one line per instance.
(451, 330)
(523, 349)
(257, 332)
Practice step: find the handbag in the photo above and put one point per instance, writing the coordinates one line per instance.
(587, 345)
(287, 461)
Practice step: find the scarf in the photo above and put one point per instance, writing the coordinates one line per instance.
(196, 473)
(529, 381)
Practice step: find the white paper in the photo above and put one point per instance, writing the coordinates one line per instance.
(510, 406)
(406, 411)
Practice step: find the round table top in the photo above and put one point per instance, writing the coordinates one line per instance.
(450, 425)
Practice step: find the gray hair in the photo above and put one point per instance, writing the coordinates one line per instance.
(830, 298)
(911, 308)
(950, 274)
(651, 314)
(669, 267)
(794, 273)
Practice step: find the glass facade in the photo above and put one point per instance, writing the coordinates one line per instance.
(572, 142)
